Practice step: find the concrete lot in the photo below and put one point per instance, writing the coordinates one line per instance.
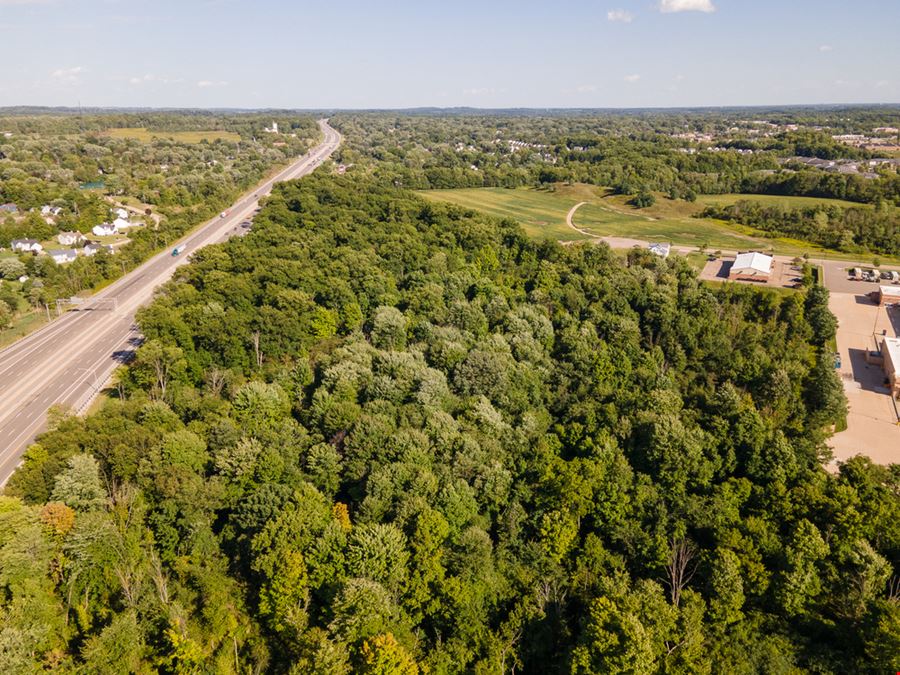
(837, 279)
(872, 428)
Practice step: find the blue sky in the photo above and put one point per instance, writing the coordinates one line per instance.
(489, 53)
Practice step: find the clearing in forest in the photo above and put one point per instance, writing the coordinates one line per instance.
(542, 213)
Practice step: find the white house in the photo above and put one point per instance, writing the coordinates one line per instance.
(70, 238)
(122, 213)
(47, 210)
(92, 249)
(756, 266)
(660, 249)
(26, 245)
(122, 224)
(63, 255)
(105, 229)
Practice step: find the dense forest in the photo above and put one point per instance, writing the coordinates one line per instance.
(843, 229)
(380, 435)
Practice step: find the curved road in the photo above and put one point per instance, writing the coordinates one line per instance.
(68, 361)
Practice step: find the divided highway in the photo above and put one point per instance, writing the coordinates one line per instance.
(70, 359)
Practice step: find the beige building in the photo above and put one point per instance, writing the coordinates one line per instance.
(888, 294)
(890, 353)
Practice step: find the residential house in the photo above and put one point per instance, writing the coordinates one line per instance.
(93, 248)
(122, 224)
(105, 229)
(9, 207)
(70, 238)
(660, 249)
(26, 245)
(751, 267)
(122, 213)
(61, 256)
(47, 210)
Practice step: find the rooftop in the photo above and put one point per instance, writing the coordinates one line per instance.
(892, 291)
(755, 261)
(892, 345)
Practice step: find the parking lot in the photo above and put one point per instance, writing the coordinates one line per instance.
(837, 279)
(872, 428)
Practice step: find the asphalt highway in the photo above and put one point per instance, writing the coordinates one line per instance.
(70, 359)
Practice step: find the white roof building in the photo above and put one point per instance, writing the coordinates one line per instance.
(752, 264)
(122, 223)
(122, 213)
(660, 249)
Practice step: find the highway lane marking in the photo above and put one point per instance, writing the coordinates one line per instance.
(38, 416)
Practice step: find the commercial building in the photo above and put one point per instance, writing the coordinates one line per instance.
(890, 353)
(888, 294)
(751, 267)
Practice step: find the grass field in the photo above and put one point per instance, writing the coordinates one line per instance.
(775, 200)
(542, 214)
(144, 135)
(23, 325)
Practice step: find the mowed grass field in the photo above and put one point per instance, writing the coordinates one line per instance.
(145, 135)
(542, 214)
(776, 200)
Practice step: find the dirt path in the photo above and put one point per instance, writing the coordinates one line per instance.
(616, 242)
(571, 224)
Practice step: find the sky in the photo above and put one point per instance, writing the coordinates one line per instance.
(412, 53)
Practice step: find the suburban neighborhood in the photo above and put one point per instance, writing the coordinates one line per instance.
(76, 243)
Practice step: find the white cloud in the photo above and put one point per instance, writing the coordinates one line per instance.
(881, 84)
(203, 84)
(67, 75)
(825, 48)
(149, 77)
(586, 88)
(479, 91)
(632, 78)
(671, 6)
(619, 15)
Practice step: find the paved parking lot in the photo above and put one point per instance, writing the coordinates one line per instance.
(837, 279)
(872, 428)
